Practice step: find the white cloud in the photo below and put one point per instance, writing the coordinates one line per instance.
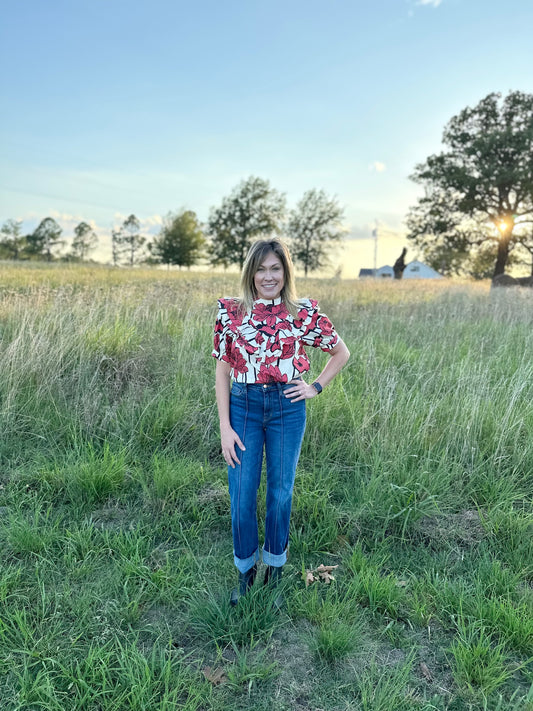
(68, 222)
(148, 224)
(65, 217)
(377, 166)
(433, 3)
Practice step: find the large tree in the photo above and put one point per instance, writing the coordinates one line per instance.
(313, 226)
(43, 239)
(253, 210)
(180, 240)
(84, 241)
(480, 190)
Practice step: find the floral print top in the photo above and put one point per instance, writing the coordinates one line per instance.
(268, 344)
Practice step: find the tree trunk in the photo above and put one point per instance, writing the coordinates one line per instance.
(503, 254)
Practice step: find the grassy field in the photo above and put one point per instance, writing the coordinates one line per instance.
(416, 480)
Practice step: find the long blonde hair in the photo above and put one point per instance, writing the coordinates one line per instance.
(257, 254)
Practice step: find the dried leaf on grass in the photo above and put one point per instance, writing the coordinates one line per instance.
(215, 676)
(309, 578)
(425, 671)
(323, 572)
(326, 568)
(326, 577)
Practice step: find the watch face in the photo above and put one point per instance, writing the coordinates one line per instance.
(317, 387)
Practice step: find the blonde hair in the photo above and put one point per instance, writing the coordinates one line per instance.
(257, 254)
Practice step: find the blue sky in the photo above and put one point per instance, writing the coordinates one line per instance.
(117, 107)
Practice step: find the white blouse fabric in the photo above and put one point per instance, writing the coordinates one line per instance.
(268, 344)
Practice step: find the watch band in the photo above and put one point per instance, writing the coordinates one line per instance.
(317, 387)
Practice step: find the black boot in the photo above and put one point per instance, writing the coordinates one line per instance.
(273, 575)
(246, 580)
(273, 578)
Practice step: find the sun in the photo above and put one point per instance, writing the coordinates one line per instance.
(502, 226)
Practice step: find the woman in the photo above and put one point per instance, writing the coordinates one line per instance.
(259, 343)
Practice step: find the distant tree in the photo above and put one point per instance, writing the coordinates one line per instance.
(132, 239)
(481, 189)
(254, 210)
(313, 227)
(11, 240)
(127, 243)
(43, 239)
(399, 265)
(85, 240)
(116, 246)
(180, 240)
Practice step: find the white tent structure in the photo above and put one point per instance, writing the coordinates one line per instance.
(419, 270)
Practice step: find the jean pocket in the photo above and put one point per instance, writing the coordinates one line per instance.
(238, 389)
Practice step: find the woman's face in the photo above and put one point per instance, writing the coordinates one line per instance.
(269, 279)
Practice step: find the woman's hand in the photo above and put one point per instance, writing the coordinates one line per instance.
(300, 391)
(228, 439)
(338, 357)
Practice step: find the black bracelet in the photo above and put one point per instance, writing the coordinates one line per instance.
(317, 387)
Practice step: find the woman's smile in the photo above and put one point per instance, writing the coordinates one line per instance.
(269, 279)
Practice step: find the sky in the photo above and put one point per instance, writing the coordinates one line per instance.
(114, 107)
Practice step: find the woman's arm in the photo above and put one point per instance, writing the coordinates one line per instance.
(228, 437)
(339, 355)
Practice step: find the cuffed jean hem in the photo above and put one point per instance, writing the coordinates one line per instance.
(244, 564)
(276, 561)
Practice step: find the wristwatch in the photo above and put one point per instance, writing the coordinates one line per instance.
(317, 387)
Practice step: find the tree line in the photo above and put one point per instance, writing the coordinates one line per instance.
(252, 211)
(475, 217)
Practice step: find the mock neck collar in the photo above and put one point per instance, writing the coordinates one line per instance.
(268, 302)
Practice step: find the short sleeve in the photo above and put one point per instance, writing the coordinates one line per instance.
(221, 333)
(319, 332)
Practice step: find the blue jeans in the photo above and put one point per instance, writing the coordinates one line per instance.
(263, 418)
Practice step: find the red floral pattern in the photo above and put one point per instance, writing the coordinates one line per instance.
(268, 344)
(270, 373)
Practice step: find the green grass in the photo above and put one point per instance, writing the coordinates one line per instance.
(415, 479)
(478, 662)
(334, 641)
